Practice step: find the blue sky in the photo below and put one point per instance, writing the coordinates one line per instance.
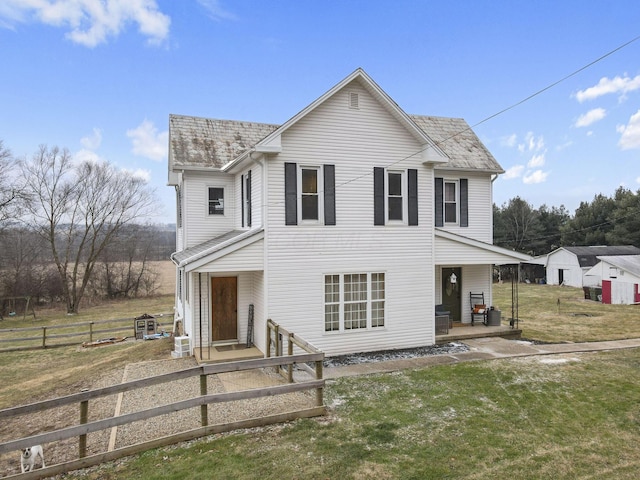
(100, 77)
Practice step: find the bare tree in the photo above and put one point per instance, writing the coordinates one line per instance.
(79, 210)
(10, 190)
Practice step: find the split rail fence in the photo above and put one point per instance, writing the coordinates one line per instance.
(23, 338)
(282, 363)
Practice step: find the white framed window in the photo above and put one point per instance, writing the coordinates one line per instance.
(450, 201)
(216, 200)
(245, 188)
(310, 199)
(354, 301)
(396, 196)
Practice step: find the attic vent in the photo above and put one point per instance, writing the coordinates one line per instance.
(354, 100)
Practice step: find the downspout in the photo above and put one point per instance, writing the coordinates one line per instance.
(200, 308)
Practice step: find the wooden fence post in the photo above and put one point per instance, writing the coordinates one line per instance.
(90, 331)
(82, 441)
(204, 416)
(290, 352)
(44, 337)
(319, 399)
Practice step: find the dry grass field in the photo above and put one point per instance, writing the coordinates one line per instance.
(554, 313)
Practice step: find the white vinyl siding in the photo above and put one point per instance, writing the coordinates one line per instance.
(479, 202)
(298, 258)
(198, 225)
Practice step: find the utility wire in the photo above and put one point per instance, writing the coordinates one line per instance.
(490, 117)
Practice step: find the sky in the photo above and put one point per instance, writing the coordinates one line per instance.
(552, 88)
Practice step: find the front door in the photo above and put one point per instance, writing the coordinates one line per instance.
(451, 292)
(224, 308)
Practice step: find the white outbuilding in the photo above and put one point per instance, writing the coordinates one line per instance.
(568, 265)
(619, 276)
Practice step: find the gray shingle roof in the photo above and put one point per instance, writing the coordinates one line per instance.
(205, 247)
(205, 142)
(456, 138)
(629, 263)
(587, 256)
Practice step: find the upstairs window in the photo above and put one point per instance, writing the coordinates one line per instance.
(395, 202)
(450, 202)
(309, 199)
(216, 201)
(310, 194)
(245, 184)
(395, 196)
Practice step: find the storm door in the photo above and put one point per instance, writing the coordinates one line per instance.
(224, 308)
(451, 292)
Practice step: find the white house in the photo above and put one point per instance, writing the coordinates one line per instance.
(347, 224)
(568, 265)
(619, 277)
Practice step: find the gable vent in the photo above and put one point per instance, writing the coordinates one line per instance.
(354, 100)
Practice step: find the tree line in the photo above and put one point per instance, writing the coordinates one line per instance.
(614, 220)
(71, 231)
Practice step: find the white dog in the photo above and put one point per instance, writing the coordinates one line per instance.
(28, 457)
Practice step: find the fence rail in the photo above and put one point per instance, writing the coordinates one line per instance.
(82, 331)
(80, 430)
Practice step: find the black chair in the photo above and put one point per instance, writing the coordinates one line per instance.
(478, 307)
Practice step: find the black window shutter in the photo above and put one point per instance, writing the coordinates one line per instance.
(439, 201)
(249, 198)
(464, 202)
(290, 194)
(329, 172)
(378, 196)
(242, 199)
(413, 196)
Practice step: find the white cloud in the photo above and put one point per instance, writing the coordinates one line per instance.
(630, 133)
(140, 173)
(537, 176)
(509, 141)
(147, 142)
(90, 22)
(537, 161)
(531, 143)
(216, 12)
(564, 145)
(93, 141)
(621, 85)
(590, 117)
(85, 155)
(513, 172)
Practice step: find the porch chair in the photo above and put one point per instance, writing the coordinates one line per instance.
(478, 307)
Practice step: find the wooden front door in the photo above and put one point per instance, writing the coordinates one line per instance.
(451, 292)
(224, 308)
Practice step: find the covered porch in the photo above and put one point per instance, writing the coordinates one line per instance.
(462, 332)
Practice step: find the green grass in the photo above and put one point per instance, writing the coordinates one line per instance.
(572, 416)
(512, 418)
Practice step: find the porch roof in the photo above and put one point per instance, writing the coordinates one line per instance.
(453, 249)
(230, 240)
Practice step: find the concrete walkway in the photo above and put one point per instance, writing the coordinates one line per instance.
(479, 349)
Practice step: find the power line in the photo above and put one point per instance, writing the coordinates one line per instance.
(490, 117)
